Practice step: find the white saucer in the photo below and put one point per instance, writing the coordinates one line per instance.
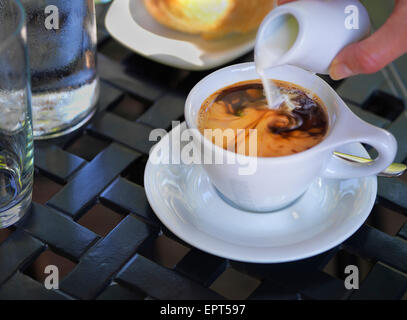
(327, 214)
(129, 22)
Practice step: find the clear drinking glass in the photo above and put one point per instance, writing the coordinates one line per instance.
(62, 47)
(16, 139)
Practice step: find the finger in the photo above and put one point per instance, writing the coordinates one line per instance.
(280, 2)
(374, 53)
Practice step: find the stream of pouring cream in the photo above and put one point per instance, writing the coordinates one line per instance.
(277, 40)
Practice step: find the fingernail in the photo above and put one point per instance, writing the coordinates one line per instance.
(340, 71)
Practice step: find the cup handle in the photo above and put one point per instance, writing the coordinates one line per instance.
(353, 130)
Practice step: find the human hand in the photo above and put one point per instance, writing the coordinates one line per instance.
(375, 52)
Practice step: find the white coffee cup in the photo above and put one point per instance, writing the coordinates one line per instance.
(279, 181)
(310, 33)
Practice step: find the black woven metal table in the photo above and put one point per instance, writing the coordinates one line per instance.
(90, 216)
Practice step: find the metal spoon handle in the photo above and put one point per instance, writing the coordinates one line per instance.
(394, 170)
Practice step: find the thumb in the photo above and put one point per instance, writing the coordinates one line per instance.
(375, 52)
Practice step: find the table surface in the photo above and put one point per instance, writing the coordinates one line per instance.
(90, 216)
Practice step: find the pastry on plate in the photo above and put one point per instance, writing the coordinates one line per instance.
(210, 18)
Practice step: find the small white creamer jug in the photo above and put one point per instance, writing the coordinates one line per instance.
(310, 33)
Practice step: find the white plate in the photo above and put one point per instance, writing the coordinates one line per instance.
(326, 215)
(129, 22)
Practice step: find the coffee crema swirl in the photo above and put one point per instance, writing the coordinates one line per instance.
(292, 128)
